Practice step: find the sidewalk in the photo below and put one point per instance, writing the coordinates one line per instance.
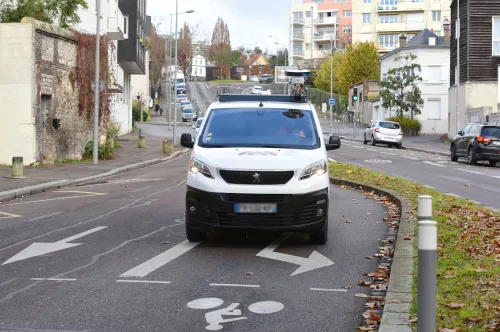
(128, 157)
(424, 143)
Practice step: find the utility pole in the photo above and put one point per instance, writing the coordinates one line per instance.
(170, 95)
(175, 69)
(457, 36)
(312, 36)
(331, 78)
(95, 156)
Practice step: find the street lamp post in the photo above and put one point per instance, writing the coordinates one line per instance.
(95, 156)
(176, 58)
(312, 36)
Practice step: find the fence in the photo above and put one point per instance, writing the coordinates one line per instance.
(319, 97)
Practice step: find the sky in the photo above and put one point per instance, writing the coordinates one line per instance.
(249, 21)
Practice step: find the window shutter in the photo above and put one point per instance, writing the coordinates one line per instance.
(425, 73)
(445, 73)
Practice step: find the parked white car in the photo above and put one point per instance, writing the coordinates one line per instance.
(256, 90)
(266, 92)
(385, 132)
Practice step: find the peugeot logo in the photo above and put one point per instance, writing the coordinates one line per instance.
(256, 177)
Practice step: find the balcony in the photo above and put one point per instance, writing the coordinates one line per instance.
(324, 37)
(400, 27)
(116, 26)
(326, 21)
(298, 36)
(402, 6)
(296, 20)
(384, 7)
(298, 53)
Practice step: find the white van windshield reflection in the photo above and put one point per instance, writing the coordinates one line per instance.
(276, 128)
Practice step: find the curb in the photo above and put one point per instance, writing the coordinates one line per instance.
(441, 153)
(39, 188)
(399, 295)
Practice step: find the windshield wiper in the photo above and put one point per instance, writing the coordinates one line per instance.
(215, 146)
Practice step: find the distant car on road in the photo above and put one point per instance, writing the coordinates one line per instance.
(184, 102)
(477, 142)
(188, 114)
(256, 90)
(197, 127)
(181, 97)
(385, 132)
(266, 78)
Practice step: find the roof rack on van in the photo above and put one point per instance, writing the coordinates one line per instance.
(223, 98)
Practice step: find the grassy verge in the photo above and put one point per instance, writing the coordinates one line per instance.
(468, 294)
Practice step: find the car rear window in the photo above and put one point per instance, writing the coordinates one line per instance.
(491, 132)
(389, 125)
(187, 110)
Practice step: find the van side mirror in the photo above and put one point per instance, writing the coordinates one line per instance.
(187, 140)
(333, 143)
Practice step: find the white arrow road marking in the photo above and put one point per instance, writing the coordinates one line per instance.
(315, 260)
(158, 261)
(9, 215)
(42, 248)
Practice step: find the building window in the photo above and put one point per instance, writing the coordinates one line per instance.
(367, 18)
(389, 41)
(367, 2)
(389, 2)
(496, 36)
(435, 74)
(436, 16)
(347, 13)
(390, 18)
(347, 29)
(433, 108)
(308, 13)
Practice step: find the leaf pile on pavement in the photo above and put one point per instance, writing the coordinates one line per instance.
(468, 293)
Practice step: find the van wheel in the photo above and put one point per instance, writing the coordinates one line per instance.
(320, 237)
(194, 235)
(364, 139)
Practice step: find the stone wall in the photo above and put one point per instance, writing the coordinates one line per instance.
(55, 70)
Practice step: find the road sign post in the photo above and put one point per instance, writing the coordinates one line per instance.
(331, 101)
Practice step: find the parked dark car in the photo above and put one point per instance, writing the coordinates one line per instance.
(477, 142)
(266, 78)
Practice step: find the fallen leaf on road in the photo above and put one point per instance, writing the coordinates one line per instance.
(385, 219)
(395, 301)
(348, 222)
(467, 185)
(347, 287)
(364, 283)
(370, 305)
(166, 242)
(454, 305)
(360, 295)
(408, 236)
(369, 257)
(248, 273)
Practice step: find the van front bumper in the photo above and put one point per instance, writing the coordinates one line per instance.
(206, 211)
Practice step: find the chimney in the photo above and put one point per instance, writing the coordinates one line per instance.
(402, 40)
(446, 28)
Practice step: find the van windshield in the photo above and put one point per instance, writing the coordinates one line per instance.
(180, 80)
(254, 127)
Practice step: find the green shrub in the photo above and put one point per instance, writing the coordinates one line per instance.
(104, 152)
(409, 127)
(113, 129)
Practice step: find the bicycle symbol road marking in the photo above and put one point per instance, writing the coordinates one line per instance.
(214, 318)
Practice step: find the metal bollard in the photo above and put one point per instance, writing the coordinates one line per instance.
(427, 261)
(17, 167)
(142, 140)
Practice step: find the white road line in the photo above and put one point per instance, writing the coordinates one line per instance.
(470, 171)
(333, 160)
(54, 279)
(81, 192)
(412, 158)
(358, 147)
(392, 154)
(145, 281)
(45, 216)
(434, 164)
(450, 194)
(373, 150)
(498, 177)
(156, 262)
(235, 285)
(5, 283)
(328, 290)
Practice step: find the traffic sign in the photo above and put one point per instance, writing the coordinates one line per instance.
(331, 101)
(101, 85)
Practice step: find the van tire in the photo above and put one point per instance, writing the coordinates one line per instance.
(320, 237)
(194, 235)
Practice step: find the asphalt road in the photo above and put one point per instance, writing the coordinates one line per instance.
(116, 259)
(479, 183)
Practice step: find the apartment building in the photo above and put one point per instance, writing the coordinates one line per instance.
(314, 26)
(384, 21)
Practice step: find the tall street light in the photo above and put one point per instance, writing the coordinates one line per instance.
(175, 69)
(95, 156)
(331, 72)
(457, 76)
(312, 36)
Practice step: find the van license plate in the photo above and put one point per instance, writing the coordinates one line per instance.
(255, 208)
(496, 142)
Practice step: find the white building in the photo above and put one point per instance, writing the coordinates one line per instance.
(128, 56)
(433, 55)
(199, 66)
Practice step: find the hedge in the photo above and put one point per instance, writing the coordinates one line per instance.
(410, 127)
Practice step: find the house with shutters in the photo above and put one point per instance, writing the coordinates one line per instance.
(433, 55)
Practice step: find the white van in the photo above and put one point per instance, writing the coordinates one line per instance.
(259, 162)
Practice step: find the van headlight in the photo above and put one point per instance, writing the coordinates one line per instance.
(318, 168)
(196, 166)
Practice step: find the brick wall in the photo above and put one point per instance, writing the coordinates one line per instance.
(55, 70)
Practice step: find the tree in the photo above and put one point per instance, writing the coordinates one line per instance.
(282, 57)
(322, 76)
(399, 89)
(226, 58)
(220, 39)
(60, 12)
(345, 38)
(257, 50)
(157, 54)
(360, 63)
(185, 51)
